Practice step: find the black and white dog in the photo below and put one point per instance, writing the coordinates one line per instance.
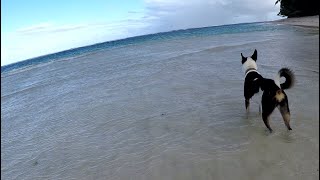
(273, 95)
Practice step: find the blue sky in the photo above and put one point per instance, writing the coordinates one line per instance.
(26, 13)
(37, 27)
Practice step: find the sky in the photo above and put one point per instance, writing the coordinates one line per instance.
(34, 28)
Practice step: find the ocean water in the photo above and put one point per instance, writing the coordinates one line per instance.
(163, 106)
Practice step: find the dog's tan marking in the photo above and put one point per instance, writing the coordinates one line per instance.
(286, 119)
(284, 110)
(279, 96)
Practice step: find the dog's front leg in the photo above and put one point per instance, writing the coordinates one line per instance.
(247, 103)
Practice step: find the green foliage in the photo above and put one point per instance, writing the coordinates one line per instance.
(298, 8)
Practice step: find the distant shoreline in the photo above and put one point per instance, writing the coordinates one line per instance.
(307, 21)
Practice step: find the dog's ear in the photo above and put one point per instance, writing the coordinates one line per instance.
(254, 55)
(243, 59)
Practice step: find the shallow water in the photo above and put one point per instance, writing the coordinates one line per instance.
(163, 109)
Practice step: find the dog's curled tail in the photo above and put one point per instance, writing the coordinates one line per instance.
(290, 78)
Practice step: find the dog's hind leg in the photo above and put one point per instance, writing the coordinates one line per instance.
(265, 118)
(267, 108)
(285, 112)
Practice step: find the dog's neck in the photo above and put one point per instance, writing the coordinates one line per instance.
(250, 70)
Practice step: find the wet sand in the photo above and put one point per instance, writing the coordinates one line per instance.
(308, 21)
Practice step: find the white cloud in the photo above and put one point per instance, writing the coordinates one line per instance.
(34, 28)
(174, 14)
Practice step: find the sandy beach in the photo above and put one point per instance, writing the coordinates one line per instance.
(309, 21)
(164, 106)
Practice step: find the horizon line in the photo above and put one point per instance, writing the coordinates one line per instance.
(123, 39)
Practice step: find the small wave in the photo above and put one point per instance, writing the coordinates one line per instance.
(214, 49)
